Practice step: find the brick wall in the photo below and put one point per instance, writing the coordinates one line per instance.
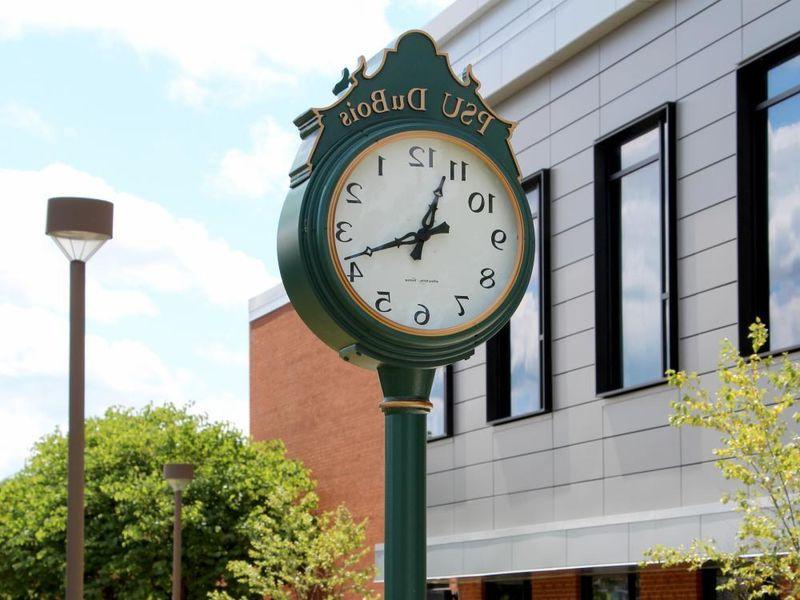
(470, 590)
(325, 410)
(656, 583)
(558, 585)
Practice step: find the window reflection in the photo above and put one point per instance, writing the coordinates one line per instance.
(524, 336)
(436, 418)
(783, 158)
(640, 148)
(640, 257)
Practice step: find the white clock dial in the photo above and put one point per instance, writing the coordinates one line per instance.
(425, 233)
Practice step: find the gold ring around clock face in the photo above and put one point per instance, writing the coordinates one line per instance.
(425, 233)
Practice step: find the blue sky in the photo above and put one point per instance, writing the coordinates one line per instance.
(179, 113)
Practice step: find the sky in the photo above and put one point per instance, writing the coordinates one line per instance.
(180, 113)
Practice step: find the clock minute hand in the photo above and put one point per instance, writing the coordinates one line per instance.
(409, 238)
(428, 220)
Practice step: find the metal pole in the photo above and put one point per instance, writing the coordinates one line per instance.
(405, 405)
(75, 468)
(176, 547)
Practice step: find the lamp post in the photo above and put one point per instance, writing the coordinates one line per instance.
(79, 226)
(178, 476)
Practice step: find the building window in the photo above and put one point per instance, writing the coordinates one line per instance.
(508, 590)
(439, 592)
(612, 586)
(769, 195)
(518, 357)
(440, 419)
(636, 307)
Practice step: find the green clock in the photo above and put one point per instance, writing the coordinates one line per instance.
(406, 239)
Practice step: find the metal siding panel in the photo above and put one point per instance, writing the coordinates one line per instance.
(709, 227)
(643, 491)
(572, 245)
(523, 437)
(637, 32)
(708, 269)
(641, 451)
(572, 209)
(469, 415)
(580, 462)
(638, 410)
(579, 500)
(524, 508)
(640, 66)
(573, 280)
(575, 71)
(573, 352)
(575, 137)
(575, 104)
(638, 101)
(700, 353)
(709, 310)
(573, 173)
(439, 488)
(669, 532)
(703, 484)
(473, 447)
(573, 316)
(533, 128)
(709, 64)
(708, 186)
(709, 145)
(440, 455)
(770, 28)
(521, 473)
(578, 424)
(711, 24)
(539, 551)
(573, 388)
(708, 104)
(469, 383)
(474, 515)
(439, 520)
(597, 545)
(471, 483)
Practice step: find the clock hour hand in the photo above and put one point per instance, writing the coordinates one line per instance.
(423, 236)
(409, 238)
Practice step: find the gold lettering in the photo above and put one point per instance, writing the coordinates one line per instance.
(451, 115)
(485, 118)
(352, 112)
(345, 119)
(398, 102)
(468, 114)
(379, 101)
(367, 111)
(420, 106)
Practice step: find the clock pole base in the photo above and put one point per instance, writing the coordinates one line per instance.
(405, 406)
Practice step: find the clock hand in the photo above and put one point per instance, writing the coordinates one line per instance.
(423, 236)
(410, 238)
(428, 221)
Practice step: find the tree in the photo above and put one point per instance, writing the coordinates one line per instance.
(752, 410)
(321, 563)
(239, 486)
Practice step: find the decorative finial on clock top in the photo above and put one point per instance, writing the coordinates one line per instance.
(343, 83)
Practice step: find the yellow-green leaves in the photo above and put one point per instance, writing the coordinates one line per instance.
(751, 410)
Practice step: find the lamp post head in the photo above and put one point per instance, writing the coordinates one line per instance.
(178, 475)
(79, 226)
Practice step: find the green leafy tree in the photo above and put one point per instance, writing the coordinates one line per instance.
(239, 486)
(752, 409)
(320, 563)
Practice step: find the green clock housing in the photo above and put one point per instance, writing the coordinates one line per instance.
(406, 239)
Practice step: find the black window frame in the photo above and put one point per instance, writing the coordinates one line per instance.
(608, 301)
(587, 590)
(492, 589)
(448, 406)
(498, 348)
(752, 184)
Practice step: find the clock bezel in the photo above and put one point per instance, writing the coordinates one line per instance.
(510, 195)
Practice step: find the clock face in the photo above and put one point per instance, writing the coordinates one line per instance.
(425, 233)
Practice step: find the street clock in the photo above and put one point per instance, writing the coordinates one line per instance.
(406, 238)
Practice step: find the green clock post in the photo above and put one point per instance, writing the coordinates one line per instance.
(404, 242)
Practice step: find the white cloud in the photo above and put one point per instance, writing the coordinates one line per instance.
(222, 355)
(25, 118)
(262, 169)
(247, 44)
(153, 251)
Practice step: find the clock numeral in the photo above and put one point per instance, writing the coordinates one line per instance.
(354, 272)
(477, 202)
(421, 317)
(498, 237)
(384, 300)
(353, 198)
(415, 160)
(487, 278)
(453, 165)
(461, 310)
(381, 160)
(340, 231)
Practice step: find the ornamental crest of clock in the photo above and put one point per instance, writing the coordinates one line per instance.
(406, 238)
